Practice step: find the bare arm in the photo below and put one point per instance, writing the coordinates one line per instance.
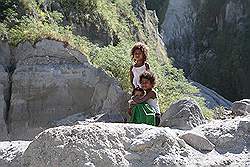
(131, 77)
(149, 95)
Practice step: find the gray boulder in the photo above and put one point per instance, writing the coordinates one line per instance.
(241, 107)
(231, 135)
(197, 141)
(4, 87)
(53, 81)
(11, 152)
(113, 144)
(183, 114)
(5, 57)
(212, 99)
(104, 144)
(3, 109)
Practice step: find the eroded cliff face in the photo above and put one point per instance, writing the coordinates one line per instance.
(210, 41)
(50, 82)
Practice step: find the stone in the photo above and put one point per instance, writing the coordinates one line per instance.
(230, 135)
(212, 99)
(116, 144)
(3, 109)
(241, 107)
(52, 82)
(184, 114)
(197, 141)
(11, 152)
(4, 96)
(5, 56)
(96, 144)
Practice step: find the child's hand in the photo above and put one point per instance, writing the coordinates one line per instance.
(131, 101)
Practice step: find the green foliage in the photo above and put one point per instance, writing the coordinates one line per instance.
(116, 61)
(3, 31)
(7, 8)
(33, 29)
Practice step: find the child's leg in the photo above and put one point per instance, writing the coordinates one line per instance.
(157, 118)
(130, 112)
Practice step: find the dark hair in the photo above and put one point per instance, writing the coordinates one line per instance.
(149, 76)
(137, 89)
(141, 46)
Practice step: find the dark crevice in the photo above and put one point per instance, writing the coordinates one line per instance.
(10, 69)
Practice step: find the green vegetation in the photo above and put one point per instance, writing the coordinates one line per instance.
(3, 31)
(118, 18)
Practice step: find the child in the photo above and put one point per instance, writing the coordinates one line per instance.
(139, 54)
(137, 92)
(151, 114)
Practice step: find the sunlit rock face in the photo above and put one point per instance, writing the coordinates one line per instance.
(53, 81)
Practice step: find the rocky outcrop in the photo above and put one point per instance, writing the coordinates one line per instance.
(53, 81)
(183, 114)
(177, 32)
(4, 87)
(219, 143)
(197, 141)
(3, 110)
(150, 25)
(85, 20)
(241, 107)
(211, 47)
(96, 144)
(212, 99)
(228, 135)
(11, 152)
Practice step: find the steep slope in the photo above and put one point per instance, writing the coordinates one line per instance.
(211, 47)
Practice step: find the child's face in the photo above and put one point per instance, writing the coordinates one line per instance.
(139, 93)
(138, 55)
(146, 84)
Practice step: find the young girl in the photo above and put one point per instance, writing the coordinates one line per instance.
(146, 109)
(139, 54)
(137, 92)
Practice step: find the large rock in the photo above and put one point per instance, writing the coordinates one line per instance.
(11, 151)
(109, 144)
(4, 97)
(212, 99)
(178, 34)
(53, 81)
(102, 144)
(4, 87)
(3, 109)
(183, 114)
(228, 135)
(241, 107)
(5, 56)
(197, 141)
